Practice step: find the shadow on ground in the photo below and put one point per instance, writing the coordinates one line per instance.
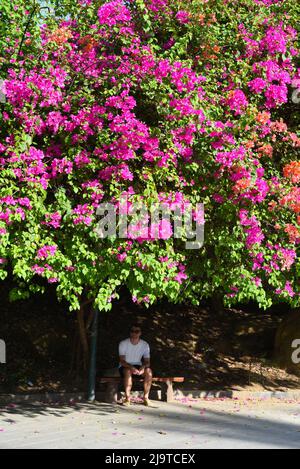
(236, 428)
(172, 428)
(56, 410)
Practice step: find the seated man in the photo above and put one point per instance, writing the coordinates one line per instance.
(131, 352)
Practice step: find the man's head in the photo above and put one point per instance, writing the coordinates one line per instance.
(135, 331)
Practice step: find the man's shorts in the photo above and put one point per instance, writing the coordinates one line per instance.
(121, 369)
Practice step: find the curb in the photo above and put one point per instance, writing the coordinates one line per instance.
(80, 397)
(241, 395)
(68, 398)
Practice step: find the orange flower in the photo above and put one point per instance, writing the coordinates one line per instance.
(296, 207)
(249, 144)
(279, 126)
(292, 171)
(266, 150)
(60, 36)
(292, 200)
(241, 185)
(201, 19)
(292, 232)
(208, 55)
(88, 43)
(272, 205)
(263, 117)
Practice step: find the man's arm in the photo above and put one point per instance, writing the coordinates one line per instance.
(146, 359)
(127, 365)
(146, 364)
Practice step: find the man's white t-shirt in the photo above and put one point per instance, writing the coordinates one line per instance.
(134, 353)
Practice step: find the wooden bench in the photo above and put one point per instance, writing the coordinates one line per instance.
(112, 384)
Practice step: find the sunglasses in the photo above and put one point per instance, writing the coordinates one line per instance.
(135, 331)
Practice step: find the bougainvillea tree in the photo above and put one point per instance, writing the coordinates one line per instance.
(160, 101)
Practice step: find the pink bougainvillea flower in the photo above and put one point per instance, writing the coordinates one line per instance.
(46, 251)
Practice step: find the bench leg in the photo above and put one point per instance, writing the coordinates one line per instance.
(111, 395)
(167, 391)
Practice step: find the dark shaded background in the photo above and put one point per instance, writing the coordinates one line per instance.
(211, 348)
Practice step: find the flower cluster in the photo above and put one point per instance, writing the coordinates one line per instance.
(158, 101)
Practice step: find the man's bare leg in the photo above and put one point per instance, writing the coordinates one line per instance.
(127, 383)
(147, 383)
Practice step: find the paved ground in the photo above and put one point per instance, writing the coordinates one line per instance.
(186, 424)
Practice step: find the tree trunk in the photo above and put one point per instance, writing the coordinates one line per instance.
(80, 355)
(83, 337)
(217, 303)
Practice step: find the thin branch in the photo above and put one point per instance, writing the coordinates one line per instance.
(27, 27)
